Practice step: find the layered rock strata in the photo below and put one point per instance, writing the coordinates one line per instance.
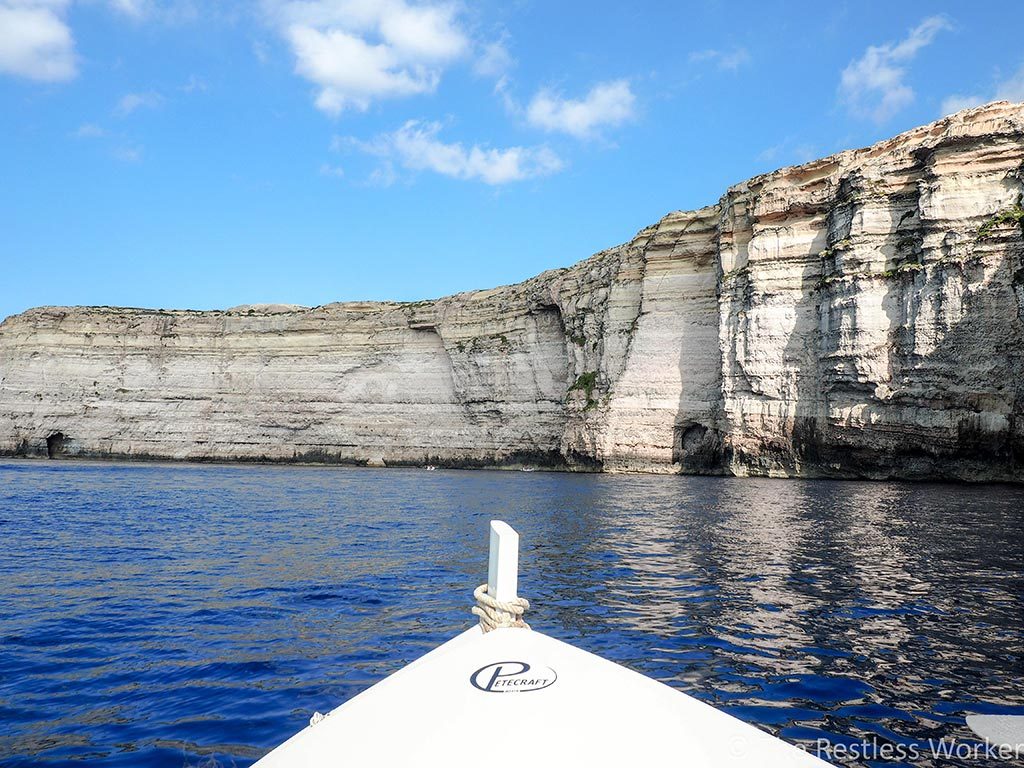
(857, 316)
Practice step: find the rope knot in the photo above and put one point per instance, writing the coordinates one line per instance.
(495, 614)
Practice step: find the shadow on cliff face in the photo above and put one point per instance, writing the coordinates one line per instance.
(971, 374)
(945, 397)
(802, 357)
(797, 394)
(956, 348)
(831, 345)
(698, 439)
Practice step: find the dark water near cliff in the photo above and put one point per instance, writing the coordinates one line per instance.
(165, 615)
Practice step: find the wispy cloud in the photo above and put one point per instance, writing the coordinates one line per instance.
(128, 154)
(493, 60)
(788, 151)
(416, 146)
(1010, 89)
(164, 11)
(194, 84)
(769, 154)
(132, 102)
(35, 40)
(383, 175)
(259, 50)
(335, 171)
(729, 61)
(89, 131)
(133, 8)
(356, 52)
(874, 86)
(956, 102)
(804, 153)
(607, 104)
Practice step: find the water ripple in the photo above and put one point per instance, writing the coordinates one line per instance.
(173, 615)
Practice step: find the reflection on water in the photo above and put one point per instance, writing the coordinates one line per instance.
(159, 615)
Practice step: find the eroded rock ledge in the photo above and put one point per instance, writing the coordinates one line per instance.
(857, 316)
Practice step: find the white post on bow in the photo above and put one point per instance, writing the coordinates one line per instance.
(503, 566)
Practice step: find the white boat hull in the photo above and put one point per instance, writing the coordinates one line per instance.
(516, 697)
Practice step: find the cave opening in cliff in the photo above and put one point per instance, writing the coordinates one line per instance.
(55, 445)
(696, 447)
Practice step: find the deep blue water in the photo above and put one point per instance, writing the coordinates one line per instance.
(170, 615)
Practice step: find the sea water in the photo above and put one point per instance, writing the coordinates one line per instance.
(182, 615)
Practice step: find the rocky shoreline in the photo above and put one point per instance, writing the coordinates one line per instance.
(858, 316)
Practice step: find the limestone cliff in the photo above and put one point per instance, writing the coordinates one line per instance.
(862, 315)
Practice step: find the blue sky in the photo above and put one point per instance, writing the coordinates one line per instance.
(203, 155)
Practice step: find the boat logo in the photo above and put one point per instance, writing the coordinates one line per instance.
(512, 677)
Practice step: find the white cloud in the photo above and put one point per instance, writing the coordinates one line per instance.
(35, 41)
(607, 104)
(358, 51)
(131, 102)
(332, 170)
(494, 60)
(133, 8)
(1011, 89)
(727, 60)
(416, 147)
(422, 33)
(874, 85)
(352, 72)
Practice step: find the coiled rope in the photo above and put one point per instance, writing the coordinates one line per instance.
(495, 614)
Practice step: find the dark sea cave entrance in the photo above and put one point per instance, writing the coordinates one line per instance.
(55, 445)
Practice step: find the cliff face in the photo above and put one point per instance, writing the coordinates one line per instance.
(862, 315)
